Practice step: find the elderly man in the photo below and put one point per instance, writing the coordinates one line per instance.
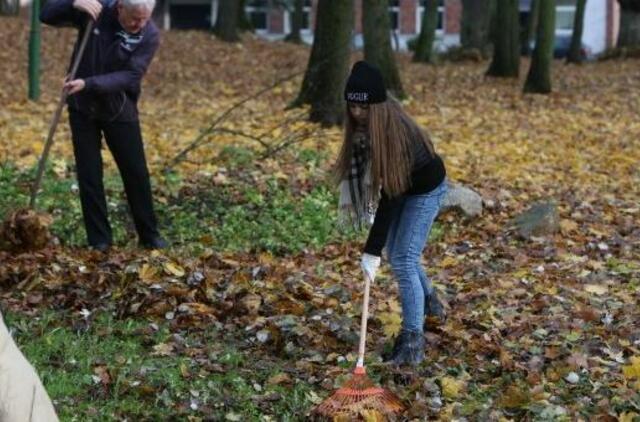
(103, 101)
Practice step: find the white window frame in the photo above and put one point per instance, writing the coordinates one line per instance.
(566, 8)
(248, 9)
(420, 12)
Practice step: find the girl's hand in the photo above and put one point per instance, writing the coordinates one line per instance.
(370, 264)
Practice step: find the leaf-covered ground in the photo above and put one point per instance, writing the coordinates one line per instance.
(253, 313)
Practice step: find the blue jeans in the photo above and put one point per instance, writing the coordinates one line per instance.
(408, 235)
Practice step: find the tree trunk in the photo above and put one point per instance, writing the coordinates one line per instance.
(506, 45)
(9, 7)
(539, 77)
(475, 24)
(376, 29)
(226, 24)
(532, 23)
(296, 22)
(629, 34)
(244, 24)
(424, 47)
(575, 49)
(323, 84)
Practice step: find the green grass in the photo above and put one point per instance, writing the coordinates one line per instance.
(196, 214)
(144, 386)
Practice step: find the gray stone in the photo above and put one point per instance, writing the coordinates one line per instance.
(539, 220)
(463, 199)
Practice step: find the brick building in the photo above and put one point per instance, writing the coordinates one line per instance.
(272, 21)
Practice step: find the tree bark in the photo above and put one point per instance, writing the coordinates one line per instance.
(296, 22)
(506, 45)
(475, 24)
(324, 79)
(539, 77)
(9, 7)
(629, 34)
(376, 29)
(532, 23)
(244, 24)
(575, 54)
(424, 47)
(226, 24)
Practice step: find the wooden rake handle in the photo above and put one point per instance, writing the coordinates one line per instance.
(35, 187)
(363, 323)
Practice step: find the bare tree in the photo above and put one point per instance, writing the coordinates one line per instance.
(296, 22)
(506, 45)
(424, 46)
(226, 27)
(575, 49)
(9, 7)
(324, 79)
(475, 24)
(539, 77)
(629, 34)
(377, 43)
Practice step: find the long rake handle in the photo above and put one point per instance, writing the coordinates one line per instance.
(56, 116)
(363, 322)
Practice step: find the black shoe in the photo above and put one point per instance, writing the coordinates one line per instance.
(434, 311)
(408, 349)
(155, 243)
(101, 247)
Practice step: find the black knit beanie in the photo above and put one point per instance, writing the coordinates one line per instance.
(365, 85)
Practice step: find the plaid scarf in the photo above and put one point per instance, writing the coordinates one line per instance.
(358, 198)
(129, 41)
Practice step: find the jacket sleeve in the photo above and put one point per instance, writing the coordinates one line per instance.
(61, 13)
(22, 395)
(129, 78)
(379, 231)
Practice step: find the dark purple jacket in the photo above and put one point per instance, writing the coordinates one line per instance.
(113, 62)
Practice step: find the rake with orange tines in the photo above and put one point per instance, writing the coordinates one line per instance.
(359, 397)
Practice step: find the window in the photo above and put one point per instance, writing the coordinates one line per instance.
(394, 14)
(420, 15)
(258, 12)
(565, 14)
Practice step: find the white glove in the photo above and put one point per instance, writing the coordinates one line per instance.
(370, 264)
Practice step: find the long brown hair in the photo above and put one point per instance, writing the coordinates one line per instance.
(391, 133)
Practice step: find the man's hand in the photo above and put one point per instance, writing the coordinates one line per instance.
(74, 86)
(92, 7)
(370, 265)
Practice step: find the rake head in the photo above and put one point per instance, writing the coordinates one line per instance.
(360, 398)
(25, 230)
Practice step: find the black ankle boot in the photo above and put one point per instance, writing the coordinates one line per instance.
(434, 310)
(408, 349)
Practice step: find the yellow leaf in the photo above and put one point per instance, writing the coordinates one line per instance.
(568, 226)
(632, 370)
(597, 289)
(448, 261)
(147, 273)
(451, 387)
(627, 416)
(174, 269)
(371, 415)
(391, 322)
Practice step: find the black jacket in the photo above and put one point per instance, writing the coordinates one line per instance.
(113, 62)
(427, 174)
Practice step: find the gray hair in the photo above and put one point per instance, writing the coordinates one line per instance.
(149, 4)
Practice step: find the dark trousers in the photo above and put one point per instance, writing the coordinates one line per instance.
(124, 140)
